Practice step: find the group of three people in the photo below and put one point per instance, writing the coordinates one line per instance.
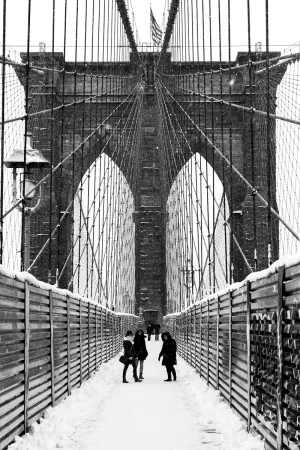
(135, 353)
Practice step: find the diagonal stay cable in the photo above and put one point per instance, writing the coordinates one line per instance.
(64, 105)
(234, 105)
(234, 169)
(73, 152)
(91, 245)
(66, 211)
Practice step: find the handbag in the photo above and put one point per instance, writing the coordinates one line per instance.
(124, 359)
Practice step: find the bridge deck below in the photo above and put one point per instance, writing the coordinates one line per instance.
(106, 414)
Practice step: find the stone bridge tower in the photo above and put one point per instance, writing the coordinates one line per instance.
(150, 200)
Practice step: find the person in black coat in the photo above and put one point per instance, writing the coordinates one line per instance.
(140, 350)
(156, 329)
(149, 331)
(129, 353)
(168, 353)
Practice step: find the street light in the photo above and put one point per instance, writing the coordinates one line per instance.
(33, 160)
(188, 281)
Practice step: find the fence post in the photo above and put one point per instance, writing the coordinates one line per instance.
(101, 334)
(52, 348)
(195, 337)
(281, 271)
(201, 339)
(26, 353)
(218, 343)
(207, 351)
(112, 322)
(89, 340)
(80, 340)
(248, 332)
(96, 336)
(230, 346)
(69, 344)
(106, 357)
(185, 336)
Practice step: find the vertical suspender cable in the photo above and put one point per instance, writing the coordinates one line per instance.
(250, 71)
(23, 249)
(52, 158)
(93, 169)
(74, 138)
(230, 147)
(2, 130)
(223, 150)
(268, 136)
(206, 148)
(213, 153)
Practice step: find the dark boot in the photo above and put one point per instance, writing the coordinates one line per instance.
(173, 373)
(124, 380)
(168, 373)
(137, 380)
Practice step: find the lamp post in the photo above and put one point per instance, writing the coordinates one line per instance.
(32, 159)
(188, 281)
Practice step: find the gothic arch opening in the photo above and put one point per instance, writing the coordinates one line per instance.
(197, 235)
(104, 237)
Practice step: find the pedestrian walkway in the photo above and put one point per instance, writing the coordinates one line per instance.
(107, 414)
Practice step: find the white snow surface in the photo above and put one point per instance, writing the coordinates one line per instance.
(106, 414)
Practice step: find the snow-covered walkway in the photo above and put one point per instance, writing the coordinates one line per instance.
(107, 414)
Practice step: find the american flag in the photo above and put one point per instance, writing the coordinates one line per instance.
(155, 30)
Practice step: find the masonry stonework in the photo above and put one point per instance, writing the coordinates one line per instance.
(229, 128)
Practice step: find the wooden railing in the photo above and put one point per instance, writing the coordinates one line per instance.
(49, 344)
(246, 343)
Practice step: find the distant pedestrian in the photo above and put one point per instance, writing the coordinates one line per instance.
(129, 356)
(156, 330)
(149, 331)
(140, 350)
(168, 353)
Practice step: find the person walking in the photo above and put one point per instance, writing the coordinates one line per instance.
(140, 350)
(149, 331)
(130, 356)
(168, 353)
(156, 329)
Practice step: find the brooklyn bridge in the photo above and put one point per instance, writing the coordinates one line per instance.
(144, 183)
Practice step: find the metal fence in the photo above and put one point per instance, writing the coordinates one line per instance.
(245, 343)
(49, 344)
